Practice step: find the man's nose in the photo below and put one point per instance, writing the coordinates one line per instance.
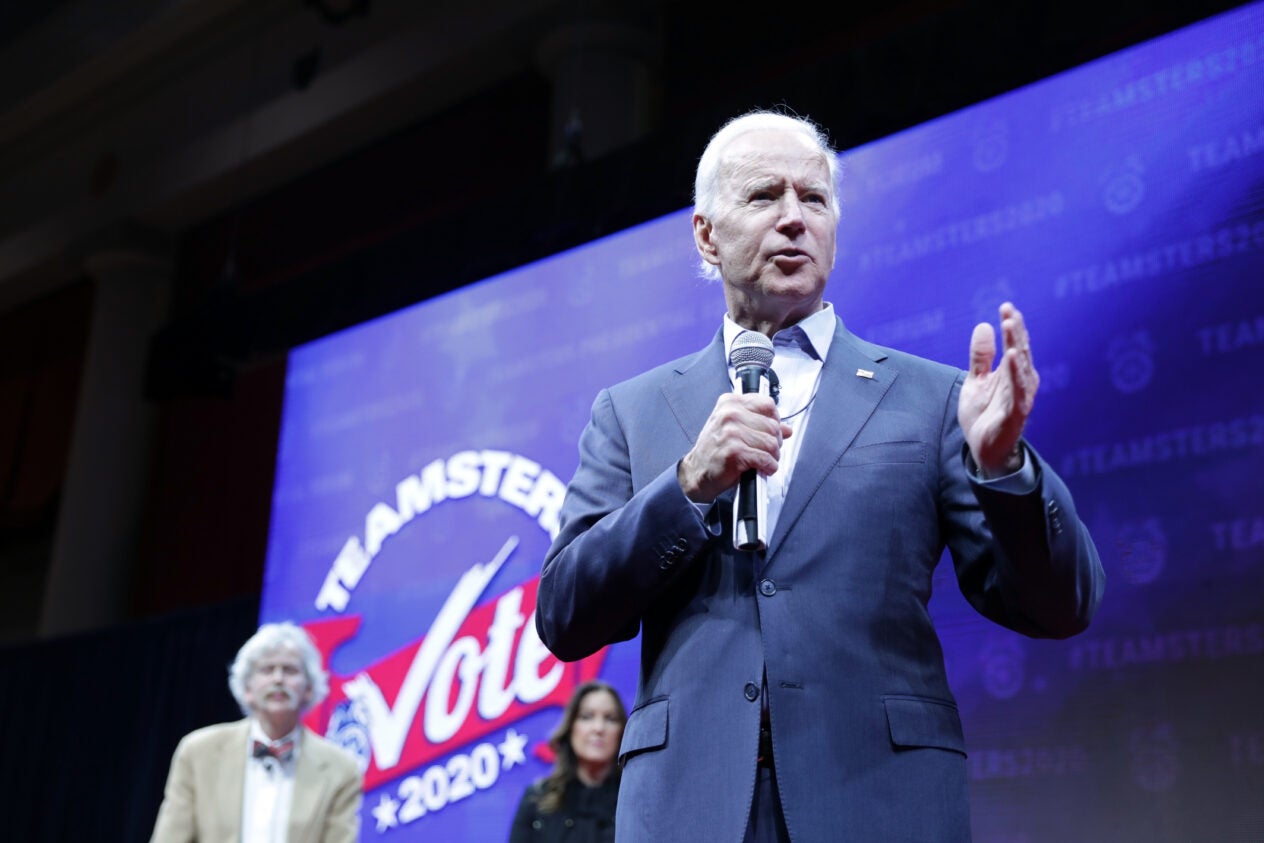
(791, 217)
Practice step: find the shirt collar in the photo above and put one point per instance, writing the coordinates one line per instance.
(257, 734)
(818, 328)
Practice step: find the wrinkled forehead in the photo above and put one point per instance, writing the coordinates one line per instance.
(282, 654)
(768, 153)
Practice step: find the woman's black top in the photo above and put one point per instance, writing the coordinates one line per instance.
(586, 815)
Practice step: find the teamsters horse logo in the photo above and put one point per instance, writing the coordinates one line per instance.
(439, 713)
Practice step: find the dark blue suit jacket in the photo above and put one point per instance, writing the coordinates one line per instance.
(867, 738)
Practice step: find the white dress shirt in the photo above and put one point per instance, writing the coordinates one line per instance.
(268, 791)
(798, 355)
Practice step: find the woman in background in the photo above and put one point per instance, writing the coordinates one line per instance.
(576, 801)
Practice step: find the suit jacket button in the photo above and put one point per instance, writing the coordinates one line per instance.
(752, 691)
(767, 588)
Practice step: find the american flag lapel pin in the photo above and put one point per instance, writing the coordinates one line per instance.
(864, 373)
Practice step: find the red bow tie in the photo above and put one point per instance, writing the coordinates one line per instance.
(282, 752)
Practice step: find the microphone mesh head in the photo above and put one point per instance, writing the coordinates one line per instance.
(751, 348)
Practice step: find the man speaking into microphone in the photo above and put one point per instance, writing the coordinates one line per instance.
(797, 691)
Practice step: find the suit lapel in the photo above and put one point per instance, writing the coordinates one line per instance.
(231, 764)
(844, 402)
(307, 787)
(703, 378)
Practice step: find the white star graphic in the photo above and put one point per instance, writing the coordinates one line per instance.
(384, 813)
(512, 750)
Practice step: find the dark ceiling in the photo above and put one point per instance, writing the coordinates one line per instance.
(870, 70)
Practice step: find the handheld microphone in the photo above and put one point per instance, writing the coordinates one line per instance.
(751, 357)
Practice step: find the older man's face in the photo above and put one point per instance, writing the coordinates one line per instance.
(772, 231)
(278, 684)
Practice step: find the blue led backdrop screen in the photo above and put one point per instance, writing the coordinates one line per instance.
(423, 457)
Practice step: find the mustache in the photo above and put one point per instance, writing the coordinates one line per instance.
(289, 693)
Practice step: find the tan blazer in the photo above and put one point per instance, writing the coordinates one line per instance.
(202, 800)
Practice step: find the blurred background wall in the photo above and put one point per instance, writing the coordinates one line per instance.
(186, 186)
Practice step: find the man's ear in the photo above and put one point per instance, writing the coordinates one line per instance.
(702, 231)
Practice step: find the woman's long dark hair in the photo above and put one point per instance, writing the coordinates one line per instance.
(566, 767)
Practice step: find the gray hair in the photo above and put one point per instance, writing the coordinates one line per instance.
(270, 638)
(706, 184)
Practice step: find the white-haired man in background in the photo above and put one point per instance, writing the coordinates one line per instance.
(266, 778)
